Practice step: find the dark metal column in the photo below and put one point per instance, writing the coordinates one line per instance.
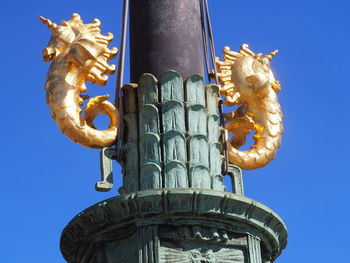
(165, 35)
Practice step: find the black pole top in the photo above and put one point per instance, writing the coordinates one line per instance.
(165, 35)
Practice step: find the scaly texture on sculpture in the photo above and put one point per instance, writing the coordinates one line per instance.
(79, 53)
(247, 80)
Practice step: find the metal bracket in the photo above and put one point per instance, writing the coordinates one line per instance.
(106, 157)
(236, 179)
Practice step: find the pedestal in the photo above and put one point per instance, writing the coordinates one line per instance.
(179, 225)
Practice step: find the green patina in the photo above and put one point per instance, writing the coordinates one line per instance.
(173, 205)
(172, 134)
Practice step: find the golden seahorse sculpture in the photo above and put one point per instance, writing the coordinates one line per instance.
(248, 81)
(79, 53)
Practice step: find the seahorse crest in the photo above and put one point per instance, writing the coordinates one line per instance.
(79, 53)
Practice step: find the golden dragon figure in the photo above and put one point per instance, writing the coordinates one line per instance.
(247, 80)
(79, 53)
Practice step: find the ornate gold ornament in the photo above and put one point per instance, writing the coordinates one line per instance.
(79, 53)
(247, 80)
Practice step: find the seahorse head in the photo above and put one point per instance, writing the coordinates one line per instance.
(61, 39)
(83, 45)
(247, 71)
(74, 34)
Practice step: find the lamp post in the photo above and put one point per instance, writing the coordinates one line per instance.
(173, 205)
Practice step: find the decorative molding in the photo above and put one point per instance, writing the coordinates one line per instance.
(209, 234)
(149, 132)
(148, 244)
(174, 134)
(194, 253)
(204, 207)
(254, 249)
(174, 131)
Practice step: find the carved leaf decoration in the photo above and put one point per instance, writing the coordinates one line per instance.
(224, 255)
(171, 255)
(229, 255)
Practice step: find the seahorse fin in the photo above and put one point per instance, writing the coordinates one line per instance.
(96, 100)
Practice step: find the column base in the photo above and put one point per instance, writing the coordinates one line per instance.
(178, 225)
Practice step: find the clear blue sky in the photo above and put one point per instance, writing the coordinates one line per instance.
(47, 179)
